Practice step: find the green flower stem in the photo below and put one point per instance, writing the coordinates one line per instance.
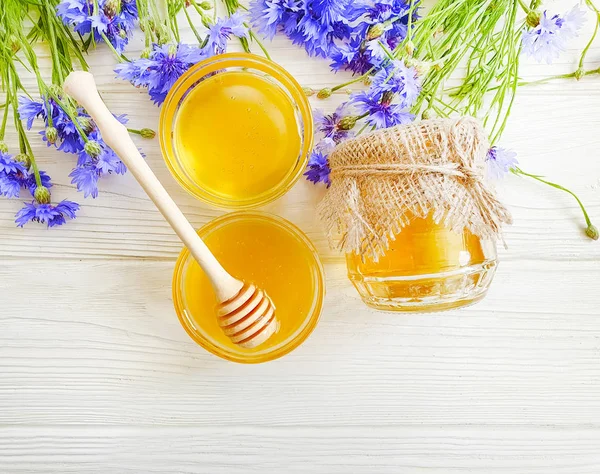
(57, 75)
(68, 110)
(519, 171)
(592, 7)
(144, 133)
(172, 10)
(409, 26)
(353, 81)
(259, 43)
(569, 75)
(144, 14)
(191, 23)
(524, 6)
(120, 57)
(4, 116)
(205, 18)
(362, 129)
(232, 6)
(25, 147)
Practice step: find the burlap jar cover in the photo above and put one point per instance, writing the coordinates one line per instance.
(380, 180)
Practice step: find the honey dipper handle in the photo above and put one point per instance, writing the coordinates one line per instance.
(81, 86)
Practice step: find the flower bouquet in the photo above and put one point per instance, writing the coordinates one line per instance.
(401, 56)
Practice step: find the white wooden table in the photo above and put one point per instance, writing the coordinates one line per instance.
(97, 375)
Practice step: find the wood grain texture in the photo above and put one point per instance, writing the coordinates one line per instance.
(97, 375)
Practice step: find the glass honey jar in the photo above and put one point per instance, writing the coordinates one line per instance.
(412, 210)
(427, 267)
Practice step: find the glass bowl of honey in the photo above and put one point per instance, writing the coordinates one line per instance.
(236, 130)
(268, 251)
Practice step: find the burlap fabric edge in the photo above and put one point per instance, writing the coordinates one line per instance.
(382, 180)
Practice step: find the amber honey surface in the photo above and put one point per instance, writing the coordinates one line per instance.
(264, 251)
(428, 267)
(236, 135)
(424, 247)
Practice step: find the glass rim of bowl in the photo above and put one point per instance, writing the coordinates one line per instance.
(297, 338)
(245, 61)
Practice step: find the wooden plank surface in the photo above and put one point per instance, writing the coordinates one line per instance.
(96, 374)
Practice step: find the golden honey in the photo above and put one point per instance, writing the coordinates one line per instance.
(428, 267)
(237, 135)
(269, 252)
(236, 130)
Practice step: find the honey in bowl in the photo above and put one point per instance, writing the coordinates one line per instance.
(237, 135)
(236, 130)
(269, 252)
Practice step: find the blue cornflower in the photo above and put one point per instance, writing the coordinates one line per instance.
(12, 176)
(91, 166)
(30, 184)
(113, 18)
(328, 126)
(15, 176)
(51, 214)
(86, 180)
(398, 79)
(318, 168)
(267, 15)
(162, 68)
(9, 166)
(354, 56)
(29, 110)
(549, 38)
(383, 10)
(224, 29)
(69, 140)
(382, 112)
(321, 21)
(500, 161)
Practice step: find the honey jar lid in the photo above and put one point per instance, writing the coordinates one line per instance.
(380, 180)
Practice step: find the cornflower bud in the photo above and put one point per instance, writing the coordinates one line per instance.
(308, 91)
(93, 148)
(533, 18)
(324, 93)
(409, 48)
(375, 31)
(592, 232)
(42, 195)
(579, 73)
(86, 124)
(24, 159)
(112, 8)
(51, 135)
(56, 90)
(387, 97)
(15, 44)
(3, 147)
(146, 52)
(147, 133)
(206, 5)
(348, 123)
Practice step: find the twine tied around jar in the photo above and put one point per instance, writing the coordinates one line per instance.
(381, 180)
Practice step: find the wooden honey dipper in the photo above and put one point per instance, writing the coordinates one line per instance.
(245, 313)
